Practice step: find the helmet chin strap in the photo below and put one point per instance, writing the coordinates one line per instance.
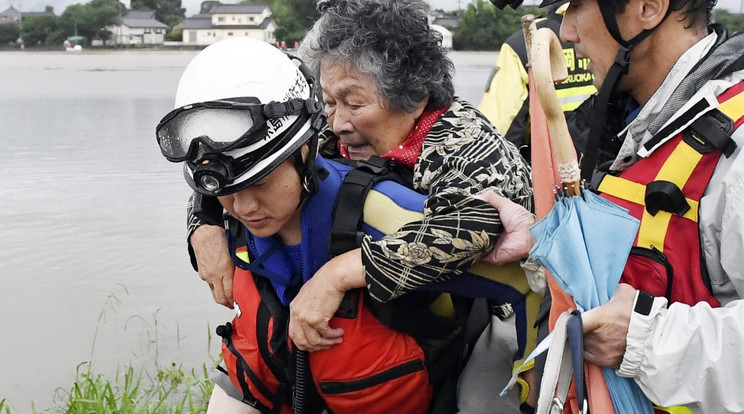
(609, 86)
(309, 172)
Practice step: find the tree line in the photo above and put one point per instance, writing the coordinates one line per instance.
(480, 25)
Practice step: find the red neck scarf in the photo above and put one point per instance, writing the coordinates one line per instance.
(408, 151)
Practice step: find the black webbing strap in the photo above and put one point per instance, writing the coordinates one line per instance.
(242, 370)
(617, 70)
(263, 324)
(348, 209)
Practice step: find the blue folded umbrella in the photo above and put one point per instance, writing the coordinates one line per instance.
(584, 242)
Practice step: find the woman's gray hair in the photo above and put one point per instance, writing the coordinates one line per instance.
(389, 40)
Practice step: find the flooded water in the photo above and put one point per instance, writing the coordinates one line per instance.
(93, 264)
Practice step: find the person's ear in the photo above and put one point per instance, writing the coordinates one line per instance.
(652, 12)
(420, 108)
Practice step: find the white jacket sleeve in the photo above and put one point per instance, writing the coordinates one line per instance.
(689, 356)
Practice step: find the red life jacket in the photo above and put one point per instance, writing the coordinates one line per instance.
(375, 369)
(665, 258)
(255, 344)
(663, 191)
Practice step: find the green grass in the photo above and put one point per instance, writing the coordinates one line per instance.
(171, 390)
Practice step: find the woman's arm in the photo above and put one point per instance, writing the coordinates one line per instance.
(462, 156)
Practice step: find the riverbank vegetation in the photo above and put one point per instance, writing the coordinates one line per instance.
(171, 389)
(480, 25)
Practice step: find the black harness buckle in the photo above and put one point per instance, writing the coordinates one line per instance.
(666, 196)
(712, 131)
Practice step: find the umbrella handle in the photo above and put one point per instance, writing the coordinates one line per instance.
(549, 66)
(528, 28)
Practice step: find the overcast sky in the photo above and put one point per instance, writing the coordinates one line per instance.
(192, 6)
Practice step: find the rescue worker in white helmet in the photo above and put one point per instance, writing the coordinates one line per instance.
(399, 103)
(246, 127)
(665, 141)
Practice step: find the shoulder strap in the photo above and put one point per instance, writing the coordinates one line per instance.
(348, 210)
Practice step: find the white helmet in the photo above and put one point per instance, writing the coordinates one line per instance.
(242, 108)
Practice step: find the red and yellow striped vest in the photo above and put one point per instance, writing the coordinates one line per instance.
(666, 258)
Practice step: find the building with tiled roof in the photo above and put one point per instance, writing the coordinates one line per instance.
(139, 27)
(230, 20)
(10, 15)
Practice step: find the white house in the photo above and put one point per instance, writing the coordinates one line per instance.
(446, 35)
(10, 15)
(230, 20)
(138, 27)
(443, 24)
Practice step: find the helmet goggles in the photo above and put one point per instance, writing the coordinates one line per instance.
(221, 125)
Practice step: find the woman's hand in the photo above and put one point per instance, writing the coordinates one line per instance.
(516, 240)
(318, 300)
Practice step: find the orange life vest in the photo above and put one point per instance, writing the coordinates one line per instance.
(374, 370)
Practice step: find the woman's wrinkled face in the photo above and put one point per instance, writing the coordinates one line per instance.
(269, 207)
(358, 114)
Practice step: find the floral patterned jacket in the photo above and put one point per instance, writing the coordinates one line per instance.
(461, 156)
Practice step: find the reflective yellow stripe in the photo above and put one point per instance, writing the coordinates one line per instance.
(443, 306)
(570, 106)
(623, 189)
(675, 410)
(734, 107)
(576, 90)
(243, 255)
(571, 98)
(676, 169)
(636, 193)
(680, 164)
